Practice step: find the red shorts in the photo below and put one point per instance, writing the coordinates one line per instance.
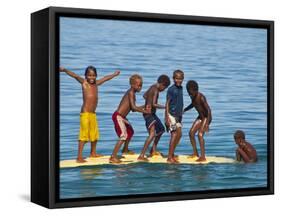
(122, 126)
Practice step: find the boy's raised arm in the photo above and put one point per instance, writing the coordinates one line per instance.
(72, 74)
(108, 77)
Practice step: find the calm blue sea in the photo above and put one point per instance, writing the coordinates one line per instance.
(228, 63)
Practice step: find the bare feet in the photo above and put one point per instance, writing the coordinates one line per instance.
(192, 156)
(95, 155)
(80, 160)
(176, 158)
(172, 161)
(201, 159)
(155, 153)
(129, 152)
(141, 158)
(114, 160)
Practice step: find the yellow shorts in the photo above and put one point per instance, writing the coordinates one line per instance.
(89, 130)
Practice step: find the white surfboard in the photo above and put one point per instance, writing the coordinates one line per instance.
(183, 159)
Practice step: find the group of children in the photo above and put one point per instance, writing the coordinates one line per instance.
(174, 111)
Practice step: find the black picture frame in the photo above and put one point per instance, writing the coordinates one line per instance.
(45, 102)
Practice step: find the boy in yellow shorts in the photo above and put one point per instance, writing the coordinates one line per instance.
(89, 130)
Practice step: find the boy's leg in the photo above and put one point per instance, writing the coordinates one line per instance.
(159, 130)
(153, 150)
(113, 158)
(80, 158)
(93, 149)
(148, 140)
(172, 148)
(195, 127)
(201, 140)
(125, 149)
(94, 135)
(130, 133)
(179, 134)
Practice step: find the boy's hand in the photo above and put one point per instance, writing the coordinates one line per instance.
(116, 73)
(62, 69)
(167, 121)
(167, 124)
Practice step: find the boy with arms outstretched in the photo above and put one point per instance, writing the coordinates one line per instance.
(202, 122)
(245, 150)
(122, 126)
(89, 130)
(173, 113)
(153, 124)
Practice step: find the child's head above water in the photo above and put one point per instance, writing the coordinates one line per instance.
(136, 82)
(178, 77)
(192, 87)
(239, 135)
(164, 82)
(91, 74)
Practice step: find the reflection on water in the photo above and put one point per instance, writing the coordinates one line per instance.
(228, 63)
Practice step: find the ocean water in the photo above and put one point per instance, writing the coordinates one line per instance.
(230, 66)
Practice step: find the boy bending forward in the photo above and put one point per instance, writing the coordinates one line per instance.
(123, 128)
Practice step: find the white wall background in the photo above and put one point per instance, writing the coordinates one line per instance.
(15, 106)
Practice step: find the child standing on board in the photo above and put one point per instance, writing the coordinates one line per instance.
(89, 130)
(202, 122)
(153, 124)
(173, 113)
(245, 150)
(123, 127)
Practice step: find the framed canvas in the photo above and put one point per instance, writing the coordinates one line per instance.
(139, 107)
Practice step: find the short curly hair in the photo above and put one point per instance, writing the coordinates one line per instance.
(135, 77)
(191, 84)
(178, 72)
(239, 134)
(164, 79)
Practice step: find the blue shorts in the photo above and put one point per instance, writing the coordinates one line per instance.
(152, 119)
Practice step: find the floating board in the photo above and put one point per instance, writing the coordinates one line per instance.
(128, 159)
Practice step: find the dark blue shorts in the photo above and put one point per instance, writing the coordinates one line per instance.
(152, 119)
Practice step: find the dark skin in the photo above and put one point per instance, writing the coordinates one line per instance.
(175, 135)
(151, 102)
(245, 151)
(127, 104)
(89, 86)
(202, 122)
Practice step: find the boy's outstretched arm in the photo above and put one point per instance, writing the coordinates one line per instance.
(190, 106)
(134, 108)
(72, 74)
(108, 77)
